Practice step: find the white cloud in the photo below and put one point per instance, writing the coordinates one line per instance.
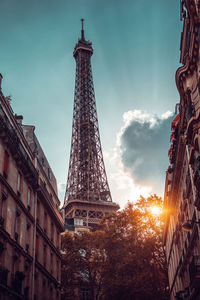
(167, 114)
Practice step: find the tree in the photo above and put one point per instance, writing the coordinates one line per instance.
(83, 264)
(136, 256)
(125, 260)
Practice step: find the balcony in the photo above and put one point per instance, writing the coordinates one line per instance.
(194, 271)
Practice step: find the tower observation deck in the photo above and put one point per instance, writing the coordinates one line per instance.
(87, 197)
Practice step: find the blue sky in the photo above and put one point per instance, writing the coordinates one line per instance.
(136, 53)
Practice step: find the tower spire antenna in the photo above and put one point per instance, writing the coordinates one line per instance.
(82, 30)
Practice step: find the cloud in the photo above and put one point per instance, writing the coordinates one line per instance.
(144, 143)
(137, 164)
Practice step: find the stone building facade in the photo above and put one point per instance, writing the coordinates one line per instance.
(30, 222)
(182, 188)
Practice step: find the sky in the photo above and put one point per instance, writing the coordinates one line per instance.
(136, 54)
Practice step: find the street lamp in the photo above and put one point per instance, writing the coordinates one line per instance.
(187, 226)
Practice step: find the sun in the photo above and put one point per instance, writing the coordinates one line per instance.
(156, 210)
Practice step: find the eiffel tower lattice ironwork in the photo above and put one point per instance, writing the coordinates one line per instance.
(87, 196)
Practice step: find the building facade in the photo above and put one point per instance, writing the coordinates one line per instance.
(30, 222)
(88, 196)
(182, 188)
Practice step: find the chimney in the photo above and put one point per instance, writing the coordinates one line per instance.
(19, 118)
(1, 77)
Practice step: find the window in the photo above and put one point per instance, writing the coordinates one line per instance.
(45, 222)
(44, 254)
(5, 164)
(52, 232)
(19, 182)
(78, 222)
(28, 226)
(36, 247)
(58, 240)
(38, 210)
(17, 225)
(51, 262)
(42, 161)
(58, 269)
(44, 282)
(49, 173)
(29, 197)
(2, 207)
(3, 199)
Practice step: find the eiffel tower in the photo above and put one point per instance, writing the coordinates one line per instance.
(87, 197)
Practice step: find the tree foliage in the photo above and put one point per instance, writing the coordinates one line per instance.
(125, 260)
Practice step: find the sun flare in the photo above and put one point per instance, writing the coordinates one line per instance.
(156, 210)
